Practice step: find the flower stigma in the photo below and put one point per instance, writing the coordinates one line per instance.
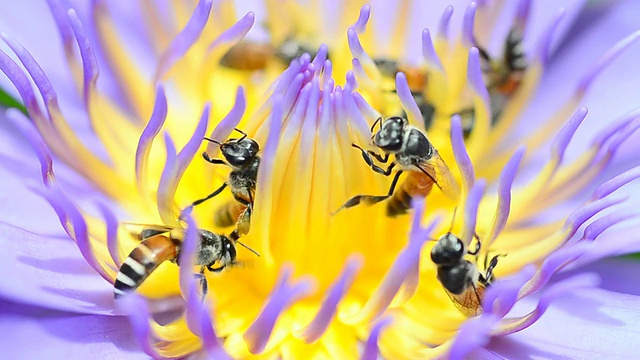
(328, 283)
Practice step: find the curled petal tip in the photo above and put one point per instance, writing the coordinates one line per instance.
(468, 23)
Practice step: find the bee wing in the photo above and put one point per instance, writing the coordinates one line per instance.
(145, 231)
(438, 170)
(469, 302)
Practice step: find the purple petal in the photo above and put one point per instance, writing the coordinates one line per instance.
(61, 335)
(50, 272)
(472, 334)
(185, 39)
(139, 317)
(608, 316)
(512, 325)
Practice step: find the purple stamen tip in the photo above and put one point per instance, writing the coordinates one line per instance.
(582, 281)
(112, 234)
(543, 50)
(325, 315)
(185, 39)
(187, 256)
(354, 44)
(158, 116)
(445, 19)
(38, 144)
(282, 296)
(361, 24)
(468, 23)
(236, 32)
(429, 51)
(593, 230)
(209, 338)
(561, 141)
(615, 183)
(605, 60)
(407, 99)
(504, 194)
(460, 153)
(371, 351)
(474, 76)
(228, 123)
(471, 210)
(522, 12)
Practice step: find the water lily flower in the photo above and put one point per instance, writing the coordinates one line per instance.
(119, 98)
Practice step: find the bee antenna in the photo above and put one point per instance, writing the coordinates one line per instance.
(248, 248)
(379, 120)
(453, 219)
(213, 141)
(244, 134)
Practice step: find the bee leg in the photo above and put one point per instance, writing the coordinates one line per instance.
(218, 191)
(488, 277)
(213, 161)
(366, 155)
(370, 199)
(243, 224)
(216, 270)
(478, 244)
(203, 282)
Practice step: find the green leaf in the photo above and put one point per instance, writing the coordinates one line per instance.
(7, 101)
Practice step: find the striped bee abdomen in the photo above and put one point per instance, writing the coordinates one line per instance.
(227, 214)
(142, 261)
(416, 184)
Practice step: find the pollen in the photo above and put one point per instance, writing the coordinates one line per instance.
(348, 249)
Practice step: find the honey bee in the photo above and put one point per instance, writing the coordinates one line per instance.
(250, 55)
(241, 156)
(461, 279)
(503, 76)
(416, 79)
(415, 155)
(161, 243)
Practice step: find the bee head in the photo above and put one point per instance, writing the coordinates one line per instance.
(228, 250)
(449, 250)
(391, 134)
(239, 152)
